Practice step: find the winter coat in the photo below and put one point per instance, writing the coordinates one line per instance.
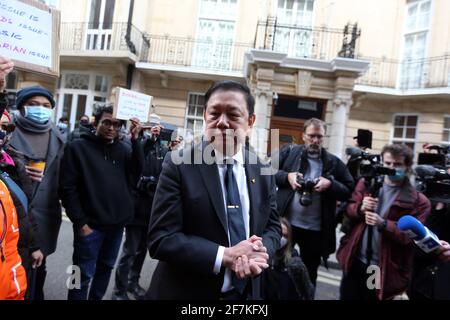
(45, 201)
(341, 187)
(396, 248)
(95, 186)
(431, 277)
(144, 192)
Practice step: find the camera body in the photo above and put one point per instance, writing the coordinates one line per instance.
(432, 178)
(306, 190)
(147, 185)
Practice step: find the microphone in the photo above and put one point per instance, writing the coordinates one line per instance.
(353, 152)
(423, 237)
(430, 171)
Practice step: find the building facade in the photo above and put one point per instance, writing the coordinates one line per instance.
(381, 65)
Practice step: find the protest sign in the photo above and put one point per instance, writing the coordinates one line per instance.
(29, 35)
(131, 104)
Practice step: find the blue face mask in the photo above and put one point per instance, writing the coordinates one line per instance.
(38, 114)
(62, 125)
(400, 174)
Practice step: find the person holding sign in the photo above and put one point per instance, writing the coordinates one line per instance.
(41, 143)
(96, 191)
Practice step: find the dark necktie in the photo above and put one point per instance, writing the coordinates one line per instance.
(236, 225)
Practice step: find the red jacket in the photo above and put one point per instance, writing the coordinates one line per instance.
(396, 249)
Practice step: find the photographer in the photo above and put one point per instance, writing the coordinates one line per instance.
(312, 212)
(135, 247)
(375, 239)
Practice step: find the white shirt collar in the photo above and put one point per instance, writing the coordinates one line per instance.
(238, 157)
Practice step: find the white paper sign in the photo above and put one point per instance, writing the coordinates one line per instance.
(25, 33)
(133, 104)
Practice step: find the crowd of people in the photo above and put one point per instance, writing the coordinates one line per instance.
(219, 227)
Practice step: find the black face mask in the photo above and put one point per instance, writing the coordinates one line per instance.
(84, 123)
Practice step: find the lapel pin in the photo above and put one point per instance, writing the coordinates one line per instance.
(253, 180)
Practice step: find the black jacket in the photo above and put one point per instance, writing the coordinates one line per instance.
(341, 188)
(95, 186)
(154, 154)
(188, 224)
(431, 277)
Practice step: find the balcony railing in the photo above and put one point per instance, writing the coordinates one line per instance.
(306, 42)
(408, 74)
(200, 54)
(85, 37)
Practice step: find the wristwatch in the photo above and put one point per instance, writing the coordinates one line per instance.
(383, 225)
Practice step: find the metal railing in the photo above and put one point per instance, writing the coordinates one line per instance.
(85, 37)
(307, 42)
(211, 55)
(408, 74)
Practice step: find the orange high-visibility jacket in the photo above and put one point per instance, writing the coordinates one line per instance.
(13, 280)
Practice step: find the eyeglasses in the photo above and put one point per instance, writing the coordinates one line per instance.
(312, 136)
(108, 123)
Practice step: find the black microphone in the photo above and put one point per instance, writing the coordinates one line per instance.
(354, 152)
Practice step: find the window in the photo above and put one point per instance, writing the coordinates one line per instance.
(418, 18)
(194, 112)
(293, 33)
(405, 130)
(215, 34)
(79, 92)
(446, 132)
(100, 25)
(11, 80)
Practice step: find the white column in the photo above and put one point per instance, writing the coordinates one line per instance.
(337, 135)
(259, 136)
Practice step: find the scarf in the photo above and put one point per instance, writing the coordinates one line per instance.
(31, 126)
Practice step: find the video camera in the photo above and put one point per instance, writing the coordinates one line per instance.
(433, 178)
(366, 165)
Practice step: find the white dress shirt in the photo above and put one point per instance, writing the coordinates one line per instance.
(241, 180)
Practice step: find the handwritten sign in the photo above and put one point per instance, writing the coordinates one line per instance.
(26, 33)
(131, 104)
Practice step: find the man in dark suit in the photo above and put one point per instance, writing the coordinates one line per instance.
(214, 222)
(313, 224)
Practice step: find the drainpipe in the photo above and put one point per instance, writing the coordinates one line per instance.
(130, 44)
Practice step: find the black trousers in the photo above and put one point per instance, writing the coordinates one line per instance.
(132, 258)
(310, 250)
(354, 284)
(36, 287)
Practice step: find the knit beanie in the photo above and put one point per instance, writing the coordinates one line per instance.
(26, 93)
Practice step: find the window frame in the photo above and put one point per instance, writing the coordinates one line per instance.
(394, 139)
(444, 129)
(195, 117)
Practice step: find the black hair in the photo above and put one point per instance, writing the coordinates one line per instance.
(100, 111)
(228, 85)
(64, 119)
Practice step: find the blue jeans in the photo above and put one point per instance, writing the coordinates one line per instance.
(95, 255)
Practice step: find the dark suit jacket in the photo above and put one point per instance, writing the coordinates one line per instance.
(188, 224)
(341, 189)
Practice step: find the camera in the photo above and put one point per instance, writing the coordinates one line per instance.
(147, 184)
(432, 177)
(306, 190)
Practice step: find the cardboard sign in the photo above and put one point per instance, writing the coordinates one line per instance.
(131, 104)
(27, 35)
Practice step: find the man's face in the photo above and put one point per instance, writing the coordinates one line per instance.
(38, 101)
(227, 121)
(394, 162)
(313, 138)
(108, 127)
